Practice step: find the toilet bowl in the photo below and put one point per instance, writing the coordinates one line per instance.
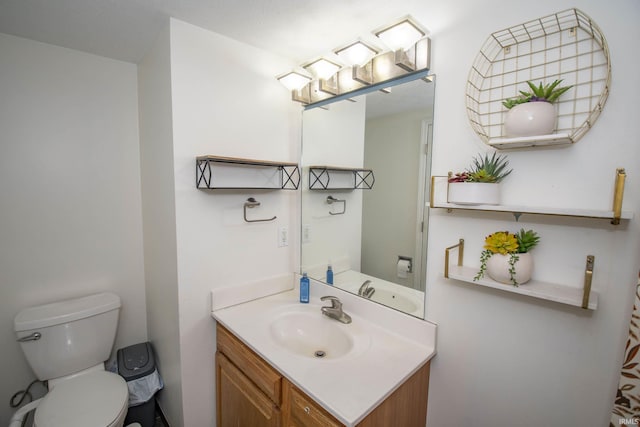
(66, 343)
(94, 399)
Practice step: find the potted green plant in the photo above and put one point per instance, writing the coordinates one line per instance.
(506, 257)
(479, 184)
(532, 112)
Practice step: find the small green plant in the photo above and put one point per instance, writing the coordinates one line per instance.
(505, 243)
(484, 169)
(541, 93)
(527, 240)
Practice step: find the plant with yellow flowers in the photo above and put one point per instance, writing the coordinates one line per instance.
(506, 243)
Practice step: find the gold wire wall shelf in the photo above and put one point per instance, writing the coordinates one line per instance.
(217, 172)
(567, 45)
(578, 297)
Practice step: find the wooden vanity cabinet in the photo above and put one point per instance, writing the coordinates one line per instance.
(248, 389)
(299, 410)
(251, 393)
(240, 402)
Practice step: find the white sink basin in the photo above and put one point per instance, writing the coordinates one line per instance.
(311, 334)
(394, 300)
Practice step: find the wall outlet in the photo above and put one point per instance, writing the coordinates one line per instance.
(306, 233)
(283, 236)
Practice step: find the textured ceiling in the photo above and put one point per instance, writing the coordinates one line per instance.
(295, 29)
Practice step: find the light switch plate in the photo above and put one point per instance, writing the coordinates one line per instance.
(306, 233)
(283, 236)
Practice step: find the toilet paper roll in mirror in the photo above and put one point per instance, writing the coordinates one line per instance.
(403, 268)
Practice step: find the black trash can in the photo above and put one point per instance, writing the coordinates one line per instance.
(136, 364)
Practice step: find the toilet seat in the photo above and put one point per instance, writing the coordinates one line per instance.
(97, 399)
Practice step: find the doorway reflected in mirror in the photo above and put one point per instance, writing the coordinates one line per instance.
(377, 247)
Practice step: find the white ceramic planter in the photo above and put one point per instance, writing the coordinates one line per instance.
(474, 193)
(498, 268)
(530, 119)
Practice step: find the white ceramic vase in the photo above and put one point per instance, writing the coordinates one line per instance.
(498, 268)
(474, 193)
(530, 119)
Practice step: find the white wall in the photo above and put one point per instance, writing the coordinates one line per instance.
(506, 360)
(158, 203)
(70, 189)
(225, 101)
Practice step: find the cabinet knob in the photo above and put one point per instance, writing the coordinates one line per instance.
(307, 410)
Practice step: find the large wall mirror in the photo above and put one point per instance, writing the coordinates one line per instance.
(374, 239)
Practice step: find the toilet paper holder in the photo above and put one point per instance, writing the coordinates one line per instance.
(406, 258)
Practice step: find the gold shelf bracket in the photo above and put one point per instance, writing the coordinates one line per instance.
(588, 276)
(460, 247)
(618, 195)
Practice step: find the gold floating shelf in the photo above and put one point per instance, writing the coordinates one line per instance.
(577, 297)
(440, 189)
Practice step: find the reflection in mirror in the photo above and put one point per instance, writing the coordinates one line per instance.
(373, 239)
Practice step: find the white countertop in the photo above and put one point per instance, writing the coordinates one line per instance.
(351, 281)
(350, 387)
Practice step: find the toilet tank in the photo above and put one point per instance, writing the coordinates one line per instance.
(74, 334)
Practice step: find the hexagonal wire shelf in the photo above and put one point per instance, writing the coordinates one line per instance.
(567, 45)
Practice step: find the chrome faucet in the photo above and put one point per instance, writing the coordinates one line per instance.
(366, 290)
(335, 311)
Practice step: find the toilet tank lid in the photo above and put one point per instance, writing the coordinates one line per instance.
(65, 311)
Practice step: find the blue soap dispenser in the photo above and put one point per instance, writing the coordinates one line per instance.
(304, 288)
(329, 274)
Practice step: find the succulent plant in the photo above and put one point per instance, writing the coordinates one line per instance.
(489, 169)
(501, 242)
(505, 243)
(459, 177)
(512, 102)
(546, 93)
(527, 240)
(484, 169)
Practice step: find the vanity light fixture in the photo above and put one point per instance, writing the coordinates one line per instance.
(402, 34)
(368, 66)
(322, 68)
(326, 73)
(294, 80)
(404, 37)
(357, 53)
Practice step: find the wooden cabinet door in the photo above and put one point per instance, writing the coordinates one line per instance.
(240, 402)
(252, 366)
(299, 410)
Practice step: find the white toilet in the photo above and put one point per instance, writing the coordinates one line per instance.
(66, 343)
